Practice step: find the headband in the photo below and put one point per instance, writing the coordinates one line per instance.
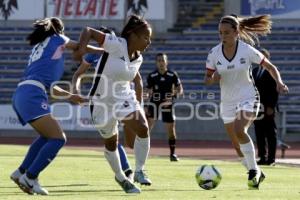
(231, 20)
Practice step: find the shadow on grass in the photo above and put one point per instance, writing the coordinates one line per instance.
(11, 193)
(69, 185)
(8, 187)
(69, 192)
(82, 192)
(61, 155)
(107, 193)
(50, 186)
(81, 155)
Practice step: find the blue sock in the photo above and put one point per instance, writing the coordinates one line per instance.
(34, 149)
(47, 153)
(123, 157)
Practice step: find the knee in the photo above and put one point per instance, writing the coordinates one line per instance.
(240, 132)
(110, 144)
(62, 139)
(236, 145)
(129, 140)
(130, 144)
(129, 137)
(172, 136)
(144, 131)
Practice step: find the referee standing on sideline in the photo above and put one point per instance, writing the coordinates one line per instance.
(163, 86)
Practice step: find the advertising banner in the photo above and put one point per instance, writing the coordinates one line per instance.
(105, 9)
(278, 9)
(9, 119)
(86, 9)
(81, 9)
(70, 117)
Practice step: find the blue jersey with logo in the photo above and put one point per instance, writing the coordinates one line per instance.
(46, 62)
(92, 59)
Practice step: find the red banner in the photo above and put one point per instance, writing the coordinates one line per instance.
(86, 9)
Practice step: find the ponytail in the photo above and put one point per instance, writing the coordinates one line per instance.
(134, 24)
(45, 28)
(250, 28)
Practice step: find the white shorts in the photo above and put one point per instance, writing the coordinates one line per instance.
(106, 115)
(228, 111)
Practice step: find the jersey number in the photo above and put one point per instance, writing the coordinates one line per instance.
(38, 50)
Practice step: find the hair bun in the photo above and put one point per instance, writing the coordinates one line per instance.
(233, 15)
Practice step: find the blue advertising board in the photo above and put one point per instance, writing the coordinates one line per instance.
(280, 9)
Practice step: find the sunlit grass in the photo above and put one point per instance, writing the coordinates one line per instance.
(85, 174)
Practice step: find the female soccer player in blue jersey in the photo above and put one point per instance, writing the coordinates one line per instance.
(30, 100)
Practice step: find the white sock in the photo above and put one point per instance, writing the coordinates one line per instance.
(249, 155)
(141, 150)
(113, 159)
(244, 162)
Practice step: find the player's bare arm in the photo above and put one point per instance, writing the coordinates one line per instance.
(83, 67)
(272, 69)
(73, 45)
(138, 86)
(179, 90)
(86, 35)
(211, 77)
(74, 98)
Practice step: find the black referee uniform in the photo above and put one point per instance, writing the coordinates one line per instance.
(162, 86)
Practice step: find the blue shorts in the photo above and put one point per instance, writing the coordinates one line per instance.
(30, 102)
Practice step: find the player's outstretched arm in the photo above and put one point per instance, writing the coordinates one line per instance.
(73, 45)
(59, 93)
(86, 35)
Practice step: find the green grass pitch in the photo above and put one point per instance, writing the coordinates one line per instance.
(85, 174)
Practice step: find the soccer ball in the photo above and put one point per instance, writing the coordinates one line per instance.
(208, 177)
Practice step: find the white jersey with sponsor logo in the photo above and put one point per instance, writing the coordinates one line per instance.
(115, 71)
(236, 77)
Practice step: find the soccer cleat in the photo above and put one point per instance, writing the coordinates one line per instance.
(128, 186)
(15, 176)
(142, 178)
(262, 177)
(31, 186)
(129, 174)
(262, 162)
(255, 178)
(174, 158)
(271, 162)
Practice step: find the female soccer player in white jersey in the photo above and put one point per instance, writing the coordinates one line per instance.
(30, 100)
(229, 63)
(92, 60)
(113, 99)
